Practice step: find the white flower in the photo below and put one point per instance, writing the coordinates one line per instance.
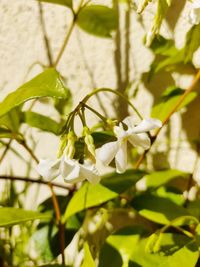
(70, 169)
(49, 169)
(136, 135)
(194, 15)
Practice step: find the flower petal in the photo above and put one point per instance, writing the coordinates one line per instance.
(107, 152)
(141, 139)
(121, 158)
(70, 170)
(146, 125)
(90, 173)
(49, 169)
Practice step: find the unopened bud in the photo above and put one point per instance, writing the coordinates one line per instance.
(70, 148)
(89, 141)
(62, 145)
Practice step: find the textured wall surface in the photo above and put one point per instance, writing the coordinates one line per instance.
(87, 63)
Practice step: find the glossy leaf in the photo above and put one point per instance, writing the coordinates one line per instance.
(41, 122)
(87, 260)
(168, 100)
(158, 178)
(46, 84)
(97, 20)
(110, 187)
(175, 250)
(12, 216)
(67, 3)
(192, 43)
(158, 209)
(88, 196)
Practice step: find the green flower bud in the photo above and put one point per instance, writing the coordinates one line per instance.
(62, 145)
(70, 148)
(89, 141)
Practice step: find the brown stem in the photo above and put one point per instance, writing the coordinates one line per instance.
(165, 121)
(33, 180)
(55, 204)
(61, 227)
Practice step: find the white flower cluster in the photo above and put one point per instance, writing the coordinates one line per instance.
(194, 15)
(72, 171)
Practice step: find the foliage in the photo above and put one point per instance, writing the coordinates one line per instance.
(140, 214)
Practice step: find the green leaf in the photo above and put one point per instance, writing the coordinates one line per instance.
(46, 84)
(175, 250)
(4, 133)
(159, 178)
(158, 209)
(97, 20)
(12, 216)
(67, 3)
(111, 186)
(11, 120)
(124, 241)
(88, 196)
(121, 182)
(88, 260)
(192, 43)
(168, 101)
(41, 122)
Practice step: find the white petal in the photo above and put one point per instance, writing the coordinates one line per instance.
(49, 169)
(107, 152)
(140, 140)
(119, 131)
(121, 158)
(130, 121)
(70, 170)
(146, 125)
(90, 173)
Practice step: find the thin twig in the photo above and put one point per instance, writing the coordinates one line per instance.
(34, 180)
(69, 32)
(55, 204)
(46, 40)
(5, 150)
(165, 121)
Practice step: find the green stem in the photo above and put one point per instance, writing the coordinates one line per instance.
(70, 29)
(96, 112)
(116, 93)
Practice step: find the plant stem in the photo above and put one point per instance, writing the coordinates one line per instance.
(32, 180)
(165, 121)
(46, 41)
(55, 204)
(70, 29)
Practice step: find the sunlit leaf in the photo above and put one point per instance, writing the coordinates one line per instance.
(175, 250)
(158, 178)
(41, 122)
(158, 209)
(12, 216)
(46, 84)
(168, 101)
(88, 196)
(87, 260)
(97, 20)
(110, 187)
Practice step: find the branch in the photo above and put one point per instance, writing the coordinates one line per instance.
(33, 180)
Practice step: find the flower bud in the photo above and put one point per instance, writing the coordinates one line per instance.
(70, 148)
(89, 141)
(62, 145)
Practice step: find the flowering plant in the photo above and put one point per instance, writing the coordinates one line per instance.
(119, 189)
